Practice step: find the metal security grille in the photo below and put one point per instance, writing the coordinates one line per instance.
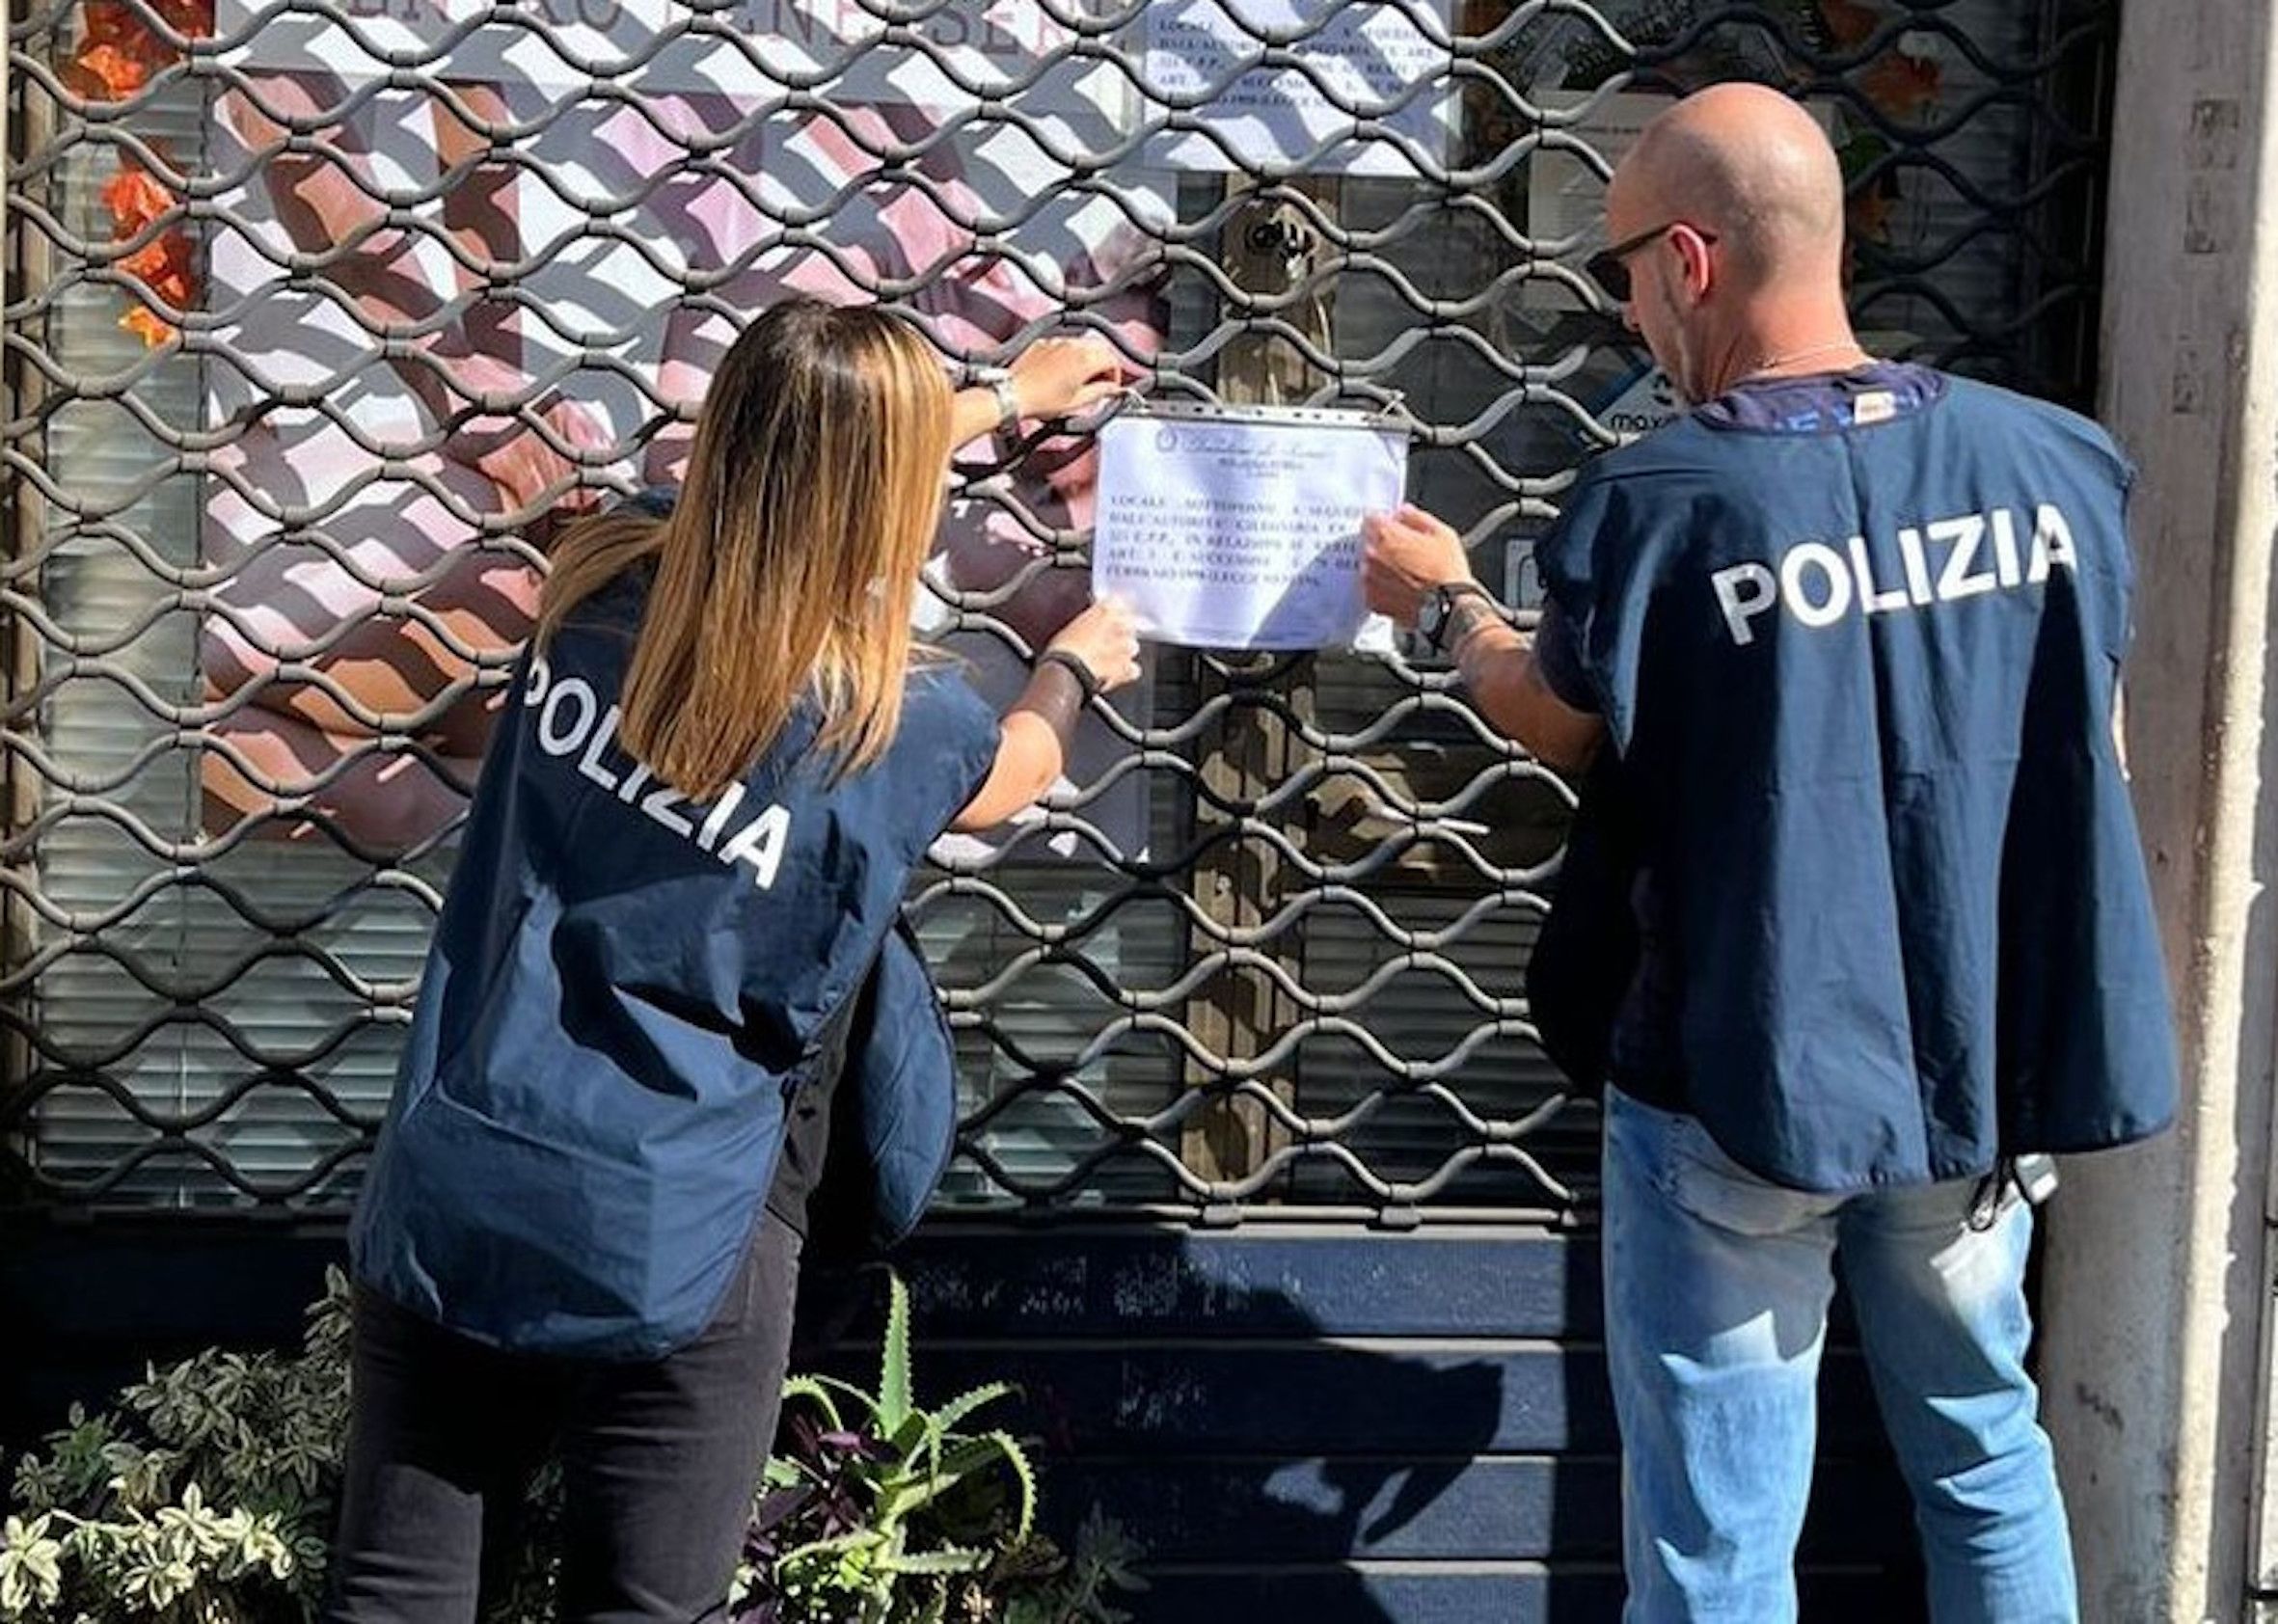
(321, 313)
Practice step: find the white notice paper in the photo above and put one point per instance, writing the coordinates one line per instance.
(1377, 63)
(1238, 532)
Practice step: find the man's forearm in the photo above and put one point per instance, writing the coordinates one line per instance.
(1498, 666)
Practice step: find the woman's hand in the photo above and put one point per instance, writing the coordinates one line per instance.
(532, 478)
(1107, 639)
(1058, 377)
(1032, 750)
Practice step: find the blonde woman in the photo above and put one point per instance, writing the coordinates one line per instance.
(668, 953)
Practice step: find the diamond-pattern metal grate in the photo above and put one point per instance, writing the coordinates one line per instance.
(321, 315)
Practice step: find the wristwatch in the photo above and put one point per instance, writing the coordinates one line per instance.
(1435, 616)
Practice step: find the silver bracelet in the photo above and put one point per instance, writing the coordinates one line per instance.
(1008, 404)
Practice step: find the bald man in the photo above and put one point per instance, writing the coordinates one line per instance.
(1853, 920)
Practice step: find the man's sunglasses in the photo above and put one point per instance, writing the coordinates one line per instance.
(1609, 267)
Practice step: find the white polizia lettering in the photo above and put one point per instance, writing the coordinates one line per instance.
(1941, 563)
(1745, 591)
(572, 723)
(1834, 597)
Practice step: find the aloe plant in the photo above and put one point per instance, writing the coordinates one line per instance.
(882, 1501)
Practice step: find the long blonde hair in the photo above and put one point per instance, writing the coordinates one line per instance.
(788, 568)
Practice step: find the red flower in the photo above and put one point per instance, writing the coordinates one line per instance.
(111, 72)
(193, 18)
(148, 325)
(1899, 85)
(135, 198)
(1849, 23)
(119, 51)
(164, 264)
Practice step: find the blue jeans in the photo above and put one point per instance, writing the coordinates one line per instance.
(1716, 1290)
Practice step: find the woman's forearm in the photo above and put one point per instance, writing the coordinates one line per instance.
(973, 414)
(1031, 752)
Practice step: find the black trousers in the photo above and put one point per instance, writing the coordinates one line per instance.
(658, 1461)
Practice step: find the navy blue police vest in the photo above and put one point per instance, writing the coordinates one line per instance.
(1857, 644)
(623, 992)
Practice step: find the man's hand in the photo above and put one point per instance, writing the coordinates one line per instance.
(1407, 553)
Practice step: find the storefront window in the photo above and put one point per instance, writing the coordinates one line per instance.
(321, 322)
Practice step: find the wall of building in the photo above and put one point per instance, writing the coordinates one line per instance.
(2155, 1310)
